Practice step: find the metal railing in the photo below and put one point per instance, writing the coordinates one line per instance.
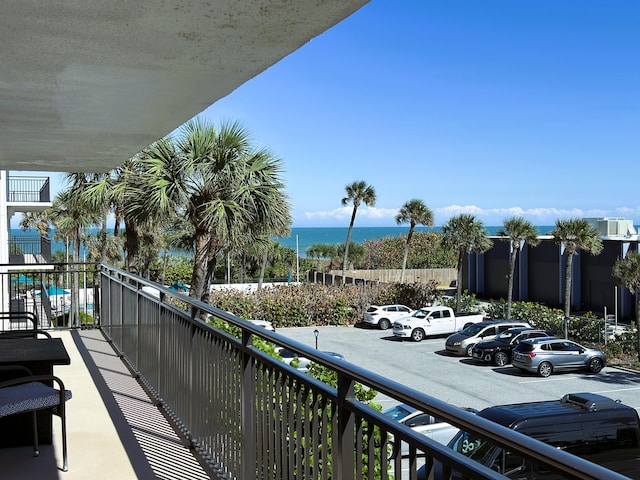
(55, 294)
(25, 249)
(28, 189)
(248, 415)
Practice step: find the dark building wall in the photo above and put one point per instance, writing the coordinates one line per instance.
(543, 273)
(496, 266)
(544, 263)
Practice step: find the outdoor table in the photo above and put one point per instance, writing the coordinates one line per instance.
(38, 355)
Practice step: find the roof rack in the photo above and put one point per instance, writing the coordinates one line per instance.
(589, 401)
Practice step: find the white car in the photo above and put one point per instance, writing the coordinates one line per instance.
(384, 316)
(265, 324)
(432, 427)
(303, 362)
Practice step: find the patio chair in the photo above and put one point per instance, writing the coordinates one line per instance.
(24, 334)
(27, 393)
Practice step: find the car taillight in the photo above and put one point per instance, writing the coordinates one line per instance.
(530, 354)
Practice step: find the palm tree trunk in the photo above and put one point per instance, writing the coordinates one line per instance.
(263, 267)
(567, 294)
(512, 268)
(75, 283)
(201, 258)
(406, 253)
(346, 245)
(132, 247)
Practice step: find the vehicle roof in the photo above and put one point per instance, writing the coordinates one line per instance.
(544, 340)
(560, 411)
(522, 323)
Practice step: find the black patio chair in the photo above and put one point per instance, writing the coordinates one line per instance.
(27, 393)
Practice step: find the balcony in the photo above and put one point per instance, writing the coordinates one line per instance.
(205, 402)
(28, 193)
(113, 428)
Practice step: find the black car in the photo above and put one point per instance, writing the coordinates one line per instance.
(498, 350)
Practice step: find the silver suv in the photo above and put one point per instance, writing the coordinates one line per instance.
(462, 343)
(549, 354)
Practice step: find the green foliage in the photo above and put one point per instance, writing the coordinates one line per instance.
(427, 251)
(313, 304)
(179, 269)
(468, 303)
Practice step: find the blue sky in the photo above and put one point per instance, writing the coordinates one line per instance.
(495, 108)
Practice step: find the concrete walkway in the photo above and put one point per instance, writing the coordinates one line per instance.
(113, 429)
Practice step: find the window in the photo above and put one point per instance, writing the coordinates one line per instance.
(423, 419)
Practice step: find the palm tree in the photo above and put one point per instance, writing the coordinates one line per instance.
(628, 271)
(357, 193)
(416, 213)
(216, 180)
(72, 215)
(574, 235)
(464, 234)
(517, 231)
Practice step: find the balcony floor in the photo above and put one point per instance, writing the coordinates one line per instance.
(113, 429)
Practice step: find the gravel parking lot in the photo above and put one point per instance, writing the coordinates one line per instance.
(426, 367)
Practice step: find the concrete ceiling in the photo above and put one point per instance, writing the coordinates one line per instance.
(86, 84)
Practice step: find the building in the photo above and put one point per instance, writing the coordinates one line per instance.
(540, 271)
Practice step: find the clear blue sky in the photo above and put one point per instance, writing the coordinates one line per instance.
(495, 108)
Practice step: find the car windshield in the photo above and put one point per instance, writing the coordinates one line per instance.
(472, 330)
(472, 446)
(397, 413)
(420, 313)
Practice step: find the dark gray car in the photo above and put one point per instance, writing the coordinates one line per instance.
(549, 354)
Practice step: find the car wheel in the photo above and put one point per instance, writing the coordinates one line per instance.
(501, 359)
(417, 335)
(545, 369)
(384, 324)
(470, 350)
(595, 365)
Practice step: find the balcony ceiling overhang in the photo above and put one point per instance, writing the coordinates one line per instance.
(85, 85)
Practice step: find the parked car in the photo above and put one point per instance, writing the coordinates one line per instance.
(421, 422)
(433, 320)
(549, 354)
(498, 351)
(462, 343)
(384, 315)
(596, 428)
(301, 363)
(265, 324)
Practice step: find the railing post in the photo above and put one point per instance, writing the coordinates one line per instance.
(248, 418)
(343, 454)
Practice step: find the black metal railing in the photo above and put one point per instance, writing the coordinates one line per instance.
(247, 415)
(28, 189)
(29, 249)
(55, 294)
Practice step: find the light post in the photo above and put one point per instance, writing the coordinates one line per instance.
(316, 333)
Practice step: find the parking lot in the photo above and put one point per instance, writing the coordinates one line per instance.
(461, 381)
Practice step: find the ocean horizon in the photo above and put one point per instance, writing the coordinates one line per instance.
(301, 238)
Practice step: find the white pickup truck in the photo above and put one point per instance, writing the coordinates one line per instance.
(436, 320)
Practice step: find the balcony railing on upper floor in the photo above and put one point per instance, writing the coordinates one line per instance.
(21, 189)
(28, 249)
(248, 415)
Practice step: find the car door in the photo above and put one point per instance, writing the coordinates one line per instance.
(563, 355)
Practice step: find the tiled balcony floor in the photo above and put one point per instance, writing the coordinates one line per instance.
(113, 430)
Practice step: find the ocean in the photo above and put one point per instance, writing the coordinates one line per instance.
(308, 236)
